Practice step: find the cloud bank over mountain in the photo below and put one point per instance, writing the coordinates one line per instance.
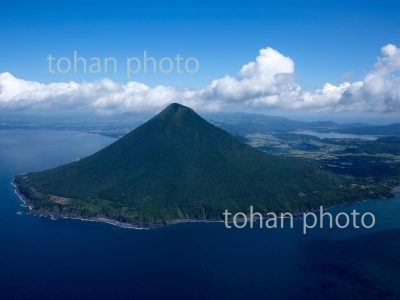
(268, 82)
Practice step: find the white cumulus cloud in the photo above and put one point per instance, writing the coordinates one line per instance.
(267, 82)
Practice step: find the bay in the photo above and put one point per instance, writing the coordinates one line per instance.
(42, 258)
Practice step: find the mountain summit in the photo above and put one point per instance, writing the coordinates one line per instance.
(177, 166)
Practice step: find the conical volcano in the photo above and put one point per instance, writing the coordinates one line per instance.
(177, 166)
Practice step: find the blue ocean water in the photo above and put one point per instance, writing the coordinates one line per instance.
(42, 258)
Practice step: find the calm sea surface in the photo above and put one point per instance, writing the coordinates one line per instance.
(68, 259)
(337, 135)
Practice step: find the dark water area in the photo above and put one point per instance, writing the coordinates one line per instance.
(42, 258)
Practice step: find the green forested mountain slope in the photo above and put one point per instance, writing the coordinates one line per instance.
(178, 166)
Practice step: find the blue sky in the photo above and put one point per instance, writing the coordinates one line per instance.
(264, 56)
(328, 40)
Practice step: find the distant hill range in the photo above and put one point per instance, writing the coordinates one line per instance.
(247, 123)
(238, 124)
(177, 167)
